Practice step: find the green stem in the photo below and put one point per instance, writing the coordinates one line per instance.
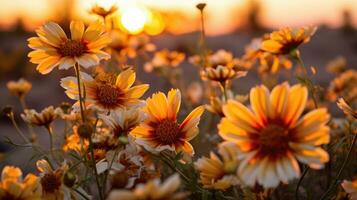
(95, 168)
(341, 168)
(50, 133)
(76, 67)
(18, 130)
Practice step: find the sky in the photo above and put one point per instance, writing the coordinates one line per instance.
(222, 15)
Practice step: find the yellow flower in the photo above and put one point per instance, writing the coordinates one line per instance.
(107, 91)
(273, 135)
(12, 186)
(216, 103)
(351, 188)
(222, 74)
(100, 11)
(19, 88)
(273, 63)
(74, 142)
(165, 58)
(51, 181)
(43, 118)
(344, 86)
(153, 190)
(341, 103)
(119, 46)
(219, 172)
(122, 121)
(139, 44)
(337, 65)
(52, 47)
(287, 40)
(161, 130)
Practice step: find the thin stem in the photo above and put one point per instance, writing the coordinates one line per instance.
(95, 168)
(76, 67)
(30, 127)
(80, 193)
(341, 168)
(18, 130)
(50, 133)
(107, 173)
(304, 173)
(224, 90)
(203, 41)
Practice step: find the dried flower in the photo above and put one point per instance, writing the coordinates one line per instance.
(19, 88)
(43, 118)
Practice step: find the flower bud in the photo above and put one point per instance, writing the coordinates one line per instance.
(85, 130)
(201, 6)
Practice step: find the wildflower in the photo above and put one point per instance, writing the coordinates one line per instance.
(19, 88)
(216, 103)
(139, 44)
(119, 46)
(287, 40)
(161, 130)
(102, 12)
(74, 142)
(344, 86)
(51, 181)
(341, 103)
(201, 6)
(194, 93)
(122, 121)
(219, 173)
(106, 91)
(52, 47)
(337, 65)
(43, 118)
(166, 190)
(273, 137)
(13, 186)
(351, 188)
(164, 58)
(222, 74)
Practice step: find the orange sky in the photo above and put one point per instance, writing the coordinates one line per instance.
(221, 14)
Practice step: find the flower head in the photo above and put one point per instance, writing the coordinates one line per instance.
(107, 91)
(153, 190)
(100, 11)
(13, 186)
(165, 58)
(52, 48)
(342, 104)
(344, 86)
(161, 130)
(19, 88)
(273, 135)
(287, 40)
(219, 172)
(43, 118)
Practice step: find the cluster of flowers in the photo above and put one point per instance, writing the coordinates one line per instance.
(119, 146)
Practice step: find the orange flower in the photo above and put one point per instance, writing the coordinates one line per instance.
(52, 48)
(107, 91)
(161, 130)
(287, 40)
(273, 137)
(165, 58)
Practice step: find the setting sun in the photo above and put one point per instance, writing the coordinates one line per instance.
(133, 19)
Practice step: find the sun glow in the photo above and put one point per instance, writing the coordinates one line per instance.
(134, 19)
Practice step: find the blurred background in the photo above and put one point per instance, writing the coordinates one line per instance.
(174, 24)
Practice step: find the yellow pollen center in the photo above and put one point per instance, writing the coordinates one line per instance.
(72, 48)
(273, 140)
(109, 96)
(50, 182)
(167, 132)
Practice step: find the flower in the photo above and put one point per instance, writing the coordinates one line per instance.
(219, 173)
(51, 181)
(272, 137)
(119, 46)
(165, 58)
(12, 186)
(194, 93)
(52, 47)
(287, 40)
(337, 65)
(106, 91)
(139, 44)
(122, 121)
(153, 190)
(19, 88)
(222, 74)
(341, 103)
(345, 86)
(100, 11)
(44, 118)
(161, 130)
(216, 103)
(73, 142)
(351, 188)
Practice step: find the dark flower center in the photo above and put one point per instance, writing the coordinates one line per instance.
(109, 96)
(167, 132)
(72, 48)
(51, 182)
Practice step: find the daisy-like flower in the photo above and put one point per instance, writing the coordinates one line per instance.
(106, 91)
(343, 105)
(222, 74)
(74, 142)
(43, 118)
(287, 40)
(52, 47)
(19, 88)
(122, 121)
(345, 86)
(102, 12)
(351, 188)
(165, 58)
(153, 190)
(219, 172)
(216, 103)
(161, 130)
(52, 181)
(13, 186)
(119, 45)
(139, 44)
(273, 136)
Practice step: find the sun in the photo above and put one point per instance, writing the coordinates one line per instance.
(133, 19)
